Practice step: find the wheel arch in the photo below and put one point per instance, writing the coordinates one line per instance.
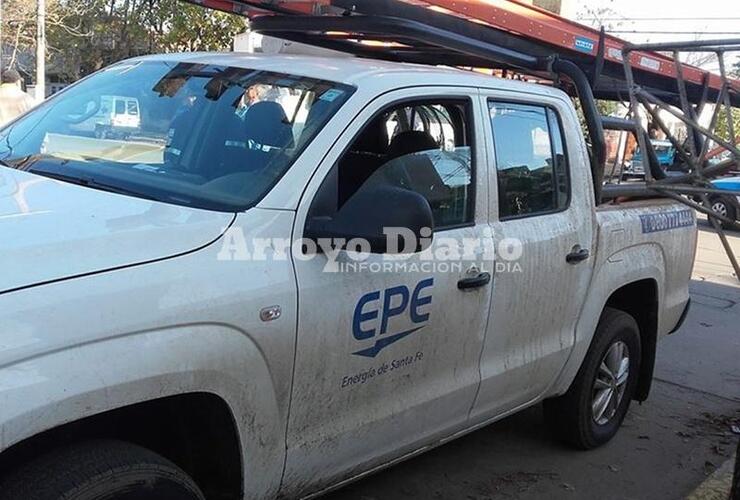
(640, 300)
(620, 283)
(207, 365)
(187, 429)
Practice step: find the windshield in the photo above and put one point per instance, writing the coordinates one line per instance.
(189, 134)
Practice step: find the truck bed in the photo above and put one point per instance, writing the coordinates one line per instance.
(657, 234)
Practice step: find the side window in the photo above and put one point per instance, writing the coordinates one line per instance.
(531, 160)
(132, 108)
(421, 146)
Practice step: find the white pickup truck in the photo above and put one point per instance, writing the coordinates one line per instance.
(303, 270)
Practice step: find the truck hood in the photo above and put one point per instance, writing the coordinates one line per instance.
(51, 230)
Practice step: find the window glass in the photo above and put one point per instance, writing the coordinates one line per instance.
(561, 163)
(199, 135)
(530, 160)
(423, 147)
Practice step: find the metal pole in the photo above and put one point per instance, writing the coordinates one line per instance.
(688, 121)
(728, 106)
(686, 108)
(713, 121)
(708, 172)
(41, 50)
(722, 238)
(693, 45)
(634, 112)
(662, 126)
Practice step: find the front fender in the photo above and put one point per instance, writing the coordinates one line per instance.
(75, 348)
(44, 392)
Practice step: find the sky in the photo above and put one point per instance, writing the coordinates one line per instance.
(684, 19)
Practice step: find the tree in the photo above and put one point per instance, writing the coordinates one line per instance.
(86, 35)
(599, 17)
(179, 27)
(722, 124)
(19, 27)
(723, 130)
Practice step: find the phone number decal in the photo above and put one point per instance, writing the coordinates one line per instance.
(667, 221)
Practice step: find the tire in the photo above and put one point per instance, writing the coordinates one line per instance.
(724, 207)
(572, 416)
(99, 470)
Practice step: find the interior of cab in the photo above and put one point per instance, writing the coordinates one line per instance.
(197, 135)
(530, 160)
(424, 147)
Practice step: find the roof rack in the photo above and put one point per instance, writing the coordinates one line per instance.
(524, 30)
(508, 35)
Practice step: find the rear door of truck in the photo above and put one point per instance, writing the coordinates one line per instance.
(542, 217)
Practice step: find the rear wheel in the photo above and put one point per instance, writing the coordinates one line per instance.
(592, 410)
(100, 470)
(724, 207)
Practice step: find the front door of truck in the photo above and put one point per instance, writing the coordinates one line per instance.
(388, 349)
(542, 221)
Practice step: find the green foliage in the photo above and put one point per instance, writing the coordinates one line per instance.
(607, 108)
(722, 129)
(86, 35)
(735, 71)
(722, 124)
(190, 28)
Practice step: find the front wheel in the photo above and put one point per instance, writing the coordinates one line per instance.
(591, 412)
(99, 470)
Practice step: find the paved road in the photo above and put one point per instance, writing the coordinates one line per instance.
(668, 446)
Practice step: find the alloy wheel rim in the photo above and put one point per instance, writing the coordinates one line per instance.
(720, 208)
(610, 383)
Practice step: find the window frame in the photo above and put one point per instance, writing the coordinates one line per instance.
(566, 155)
(469, 106)
(119, 106)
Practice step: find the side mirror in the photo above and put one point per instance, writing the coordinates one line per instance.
(371, 210)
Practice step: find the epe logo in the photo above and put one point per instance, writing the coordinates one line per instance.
(395, 302)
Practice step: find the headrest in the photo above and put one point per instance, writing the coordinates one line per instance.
(266, 123)
(412, 141)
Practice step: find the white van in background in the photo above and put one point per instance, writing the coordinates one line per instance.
(117, 115)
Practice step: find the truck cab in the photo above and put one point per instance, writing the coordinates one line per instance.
(271, 298)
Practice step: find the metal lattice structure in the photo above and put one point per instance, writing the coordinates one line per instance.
(695, 150)
(508, 37)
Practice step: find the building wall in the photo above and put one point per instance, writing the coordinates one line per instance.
(551, 5)
(253, 42)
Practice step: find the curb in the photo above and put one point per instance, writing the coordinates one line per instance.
(717, 486)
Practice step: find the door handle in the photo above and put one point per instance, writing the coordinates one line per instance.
(476, 282)
(578, 255)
